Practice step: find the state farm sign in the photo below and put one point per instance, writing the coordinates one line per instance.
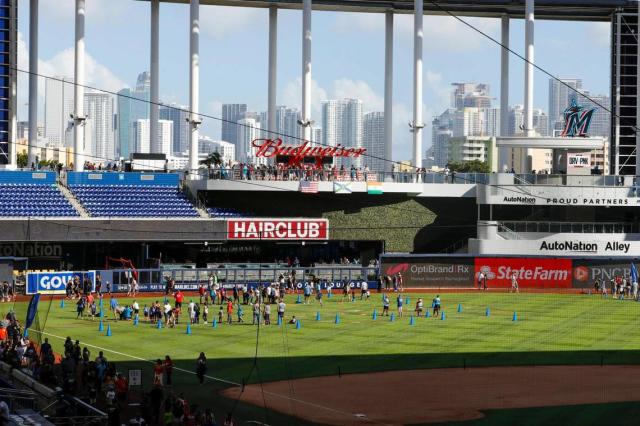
(278, 229)
(530, 272)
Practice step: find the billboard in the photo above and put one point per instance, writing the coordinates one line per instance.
(530, 272)
(586, 272)
(434, 272)
(55, 282)
(278, 229)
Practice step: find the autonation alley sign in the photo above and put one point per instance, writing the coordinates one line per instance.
(567, 201)
(559, 247)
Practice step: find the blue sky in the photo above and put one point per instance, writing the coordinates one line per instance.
(347, 55)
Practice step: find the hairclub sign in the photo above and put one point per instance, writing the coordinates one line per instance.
(278, 229)
(270, 148)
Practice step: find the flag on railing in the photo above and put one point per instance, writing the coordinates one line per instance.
(374, 188)
(634, 273)
(342, 187)
(308, 187)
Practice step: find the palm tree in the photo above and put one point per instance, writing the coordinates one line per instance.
(214, 159)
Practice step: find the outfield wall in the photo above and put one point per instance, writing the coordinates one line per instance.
(461, 272)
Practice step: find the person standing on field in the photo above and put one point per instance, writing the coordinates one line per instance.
(514, 283)
(399, 303)
(385, 304)
(201, 367)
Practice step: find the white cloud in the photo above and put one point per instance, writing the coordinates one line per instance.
(357, 89)
(218, 22)
(440, 32)
(292, 96)
(102, 11)
(599, 34)
(60, 65)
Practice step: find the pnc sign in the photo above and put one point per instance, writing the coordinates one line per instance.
(278, 229)
(270, 148)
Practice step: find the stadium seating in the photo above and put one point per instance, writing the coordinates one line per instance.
(17, 199)
(133, 201)
(221, 212)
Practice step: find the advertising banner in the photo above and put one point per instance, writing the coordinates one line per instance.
(586, 272)
(55, 282)
(434, 272)
(530, 272)
(278, 229)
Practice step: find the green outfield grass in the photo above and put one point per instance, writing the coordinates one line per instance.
(550, 329)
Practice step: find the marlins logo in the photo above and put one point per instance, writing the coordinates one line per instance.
(577, 120)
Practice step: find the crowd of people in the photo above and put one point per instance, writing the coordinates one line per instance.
(621, 287)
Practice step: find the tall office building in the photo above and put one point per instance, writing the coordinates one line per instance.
(601, 118)
(560, 94)
(316, 135)
(291, 131)
(248, 130)
(178, 115)
(99, 107)
(58, 107)
(231, 114)
(374, 142)
(474, 95)
(516, 121)
(140, 129)
(133, 105)
(342, 124)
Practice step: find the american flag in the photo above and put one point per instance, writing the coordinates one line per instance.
(309, 187)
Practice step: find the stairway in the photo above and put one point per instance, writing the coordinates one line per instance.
(74, 202)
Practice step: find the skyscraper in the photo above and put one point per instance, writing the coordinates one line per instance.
(373, 141)
(58, 106)
(248, 130)
(441, 135)
(231, 114)
(474, 95)
(601, 118)
(140, 130)
(291, 131)
(178, 115)
(133, 105)
(516, 121)
(560, 94)
(99, 108)
(342, 124)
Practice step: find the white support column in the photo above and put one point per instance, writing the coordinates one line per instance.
(528, 68)
(13, 87)
(154, 111)
(417, 83)
(194, 86)
(306, 69)
(273, 76)
(33, 83)
(388, 89)
(637, 150)
(78, 116)
(504, 157)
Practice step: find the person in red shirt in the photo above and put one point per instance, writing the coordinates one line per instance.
(229, 312)
(179, 297)
(202, 292)
(168, 369)
(122, 386)
(157, 373)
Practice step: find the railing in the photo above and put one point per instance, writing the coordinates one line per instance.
(270, 174)
(513, 228)
(18, 399)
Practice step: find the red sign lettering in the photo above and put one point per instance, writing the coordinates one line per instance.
(269, 148)
(529, 272)
(278, 229)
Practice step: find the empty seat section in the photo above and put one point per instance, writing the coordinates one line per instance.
(133, 201)
(34, 200)
(225, 212)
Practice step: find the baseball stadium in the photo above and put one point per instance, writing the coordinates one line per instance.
(297, 287)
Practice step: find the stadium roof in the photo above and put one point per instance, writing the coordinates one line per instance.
(578, 10)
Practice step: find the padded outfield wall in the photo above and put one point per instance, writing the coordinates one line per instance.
(402, 222)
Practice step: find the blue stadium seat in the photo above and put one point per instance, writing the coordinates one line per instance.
(34, 200)
(133, 201)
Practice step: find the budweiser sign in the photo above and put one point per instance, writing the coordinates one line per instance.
(278, 229)
(269, 148)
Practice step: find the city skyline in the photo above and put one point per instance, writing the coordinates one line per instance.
(452, 52)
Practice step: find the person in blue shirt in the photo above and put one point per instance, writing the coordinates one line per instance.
(307, 293)
(114, 305)
(436, 306)
(400, 302)
(385, 304)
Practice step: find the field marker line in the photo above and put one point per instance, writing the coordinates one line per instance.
(312, 404)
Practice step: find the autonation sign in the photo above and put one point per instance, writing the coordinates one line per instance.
(55, 282)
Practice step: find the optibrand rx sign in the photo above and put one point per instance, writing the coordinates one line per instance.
(56, 282)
